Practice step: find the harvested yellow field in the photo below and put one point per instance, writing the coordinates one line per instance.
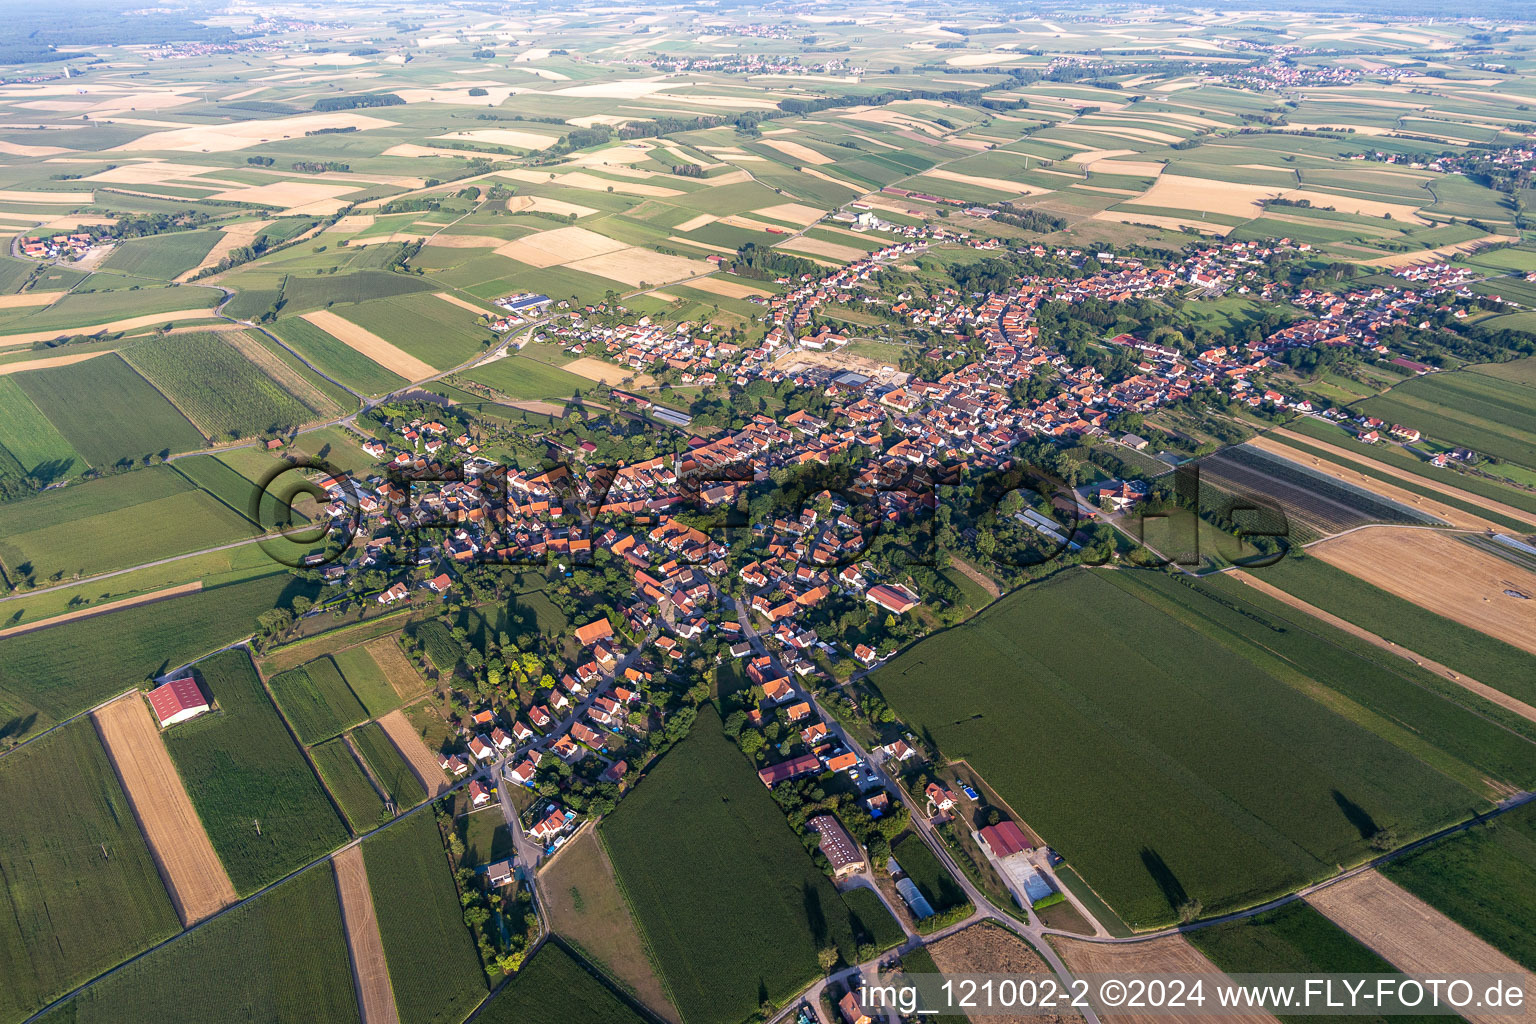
(232, 238)
(694, 223)
(1170, 954)
(503, 137)
(1444, 252)
(227, 138)
(540, 204)
(149, 172)
(408, 741)
(996, 184)
(796, 151)
(560, 245)
(127, 324)
(1230, 198)
(413, 150)
(717, 285)
(397, 669)
(1159, 221)
(17, 149)
(1444, 574)
(370, 971)
(1414, 936)
(60, 198)
(32, 298)
(1137, 134)
(591, 183)
(477, 310)
(1133, 168)
(353, 222)
(291, 196)
(638, 267)
(1362, 207)
(371, 345)
(605, 373)
(816, 247)
(683, 240)
(792, 213)
(193, 874)
(465, 241)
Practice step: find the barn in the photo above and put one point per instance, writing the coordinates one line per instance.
(177, 701)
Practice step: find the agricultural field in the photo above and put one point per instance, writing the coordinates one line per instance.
(555, 987)
(316, 701)
(29, 444)
(346, 780)
(524, 378)
(335, 359)
(293, 931)
(162, 256)
(125, 420)
(933, 880)
(433, 966)
(50, 674)
(699, 842)
(78, 872)
(389, 766)
(368, 680)
(265, 811)
(1483, 879)
(1487, 414)
(1212, 831)
(220, 389)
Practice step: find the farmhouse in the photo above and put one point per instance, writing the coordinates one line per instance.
(785, 770)
(893, 597)
(177, 701)
(838, 847)
(1006, 846)
(592, 632)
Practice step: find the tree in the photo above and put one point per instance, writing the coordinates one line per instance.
(274, 621)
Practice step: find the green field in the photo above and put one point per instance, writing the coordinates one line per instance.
(1487, 414)
(1519, 371)
(366, 680)
(430, 329)
(1293, 939)
(1483, 879)
(933, 881)
(280, 959)
(701, 844)
(557, 988)
(524, 378)
(433, 966)
(264, 809)
(1480, 656)
(389, 767)
(316, 701)
(221, 391)
(162, 256)
(335, 359)
(53, 673)
(78, 874)
(125, 418)
(872, 922)
(347, 782)
(25, 435)
(1161, 780)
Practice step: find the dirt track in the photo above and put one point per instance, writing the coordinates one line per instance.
(1171, 954)
(408, 741)
(193, 874)
(102, 609)
(1444, 574)
(1414, 936)
(1466, 682)
(370, 970)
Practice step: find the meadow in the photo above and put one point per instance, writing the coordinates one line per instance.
(265, 811)
(52, 673)
(294, 933)
(78, 874)
(524, 378)
(125, 420)
(433, 965)
(441, 649)
(557, 988)
(1480, 656)
(1487, 414)
(26, 436)
(367, 680)
(872, 922)
(1161, 780)
(389, 767)
(1483, 879)
(162, 256)
(316, 701)
(1293, 939)
(346, 781)
(427, 327)
(701, 850)
(221, 391)
(933, 881)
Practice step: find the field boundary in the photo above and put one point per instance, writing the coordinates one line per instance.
(360, 926)
(103, 609)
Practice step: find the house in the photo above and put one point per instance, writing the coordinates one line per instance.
(523, 774)
(940, 796)
(777, 690)
(614, 772)
(837, 846)
(395, 593)
(500, 740)
(480, 748)
(499, 873)
(177, 701)
(798, 711)
(479, 796)
(552, 824)
(852, 1012)
(893, 597)
(865, 655)
(452, 764)
(440, 584)
(899, 750)
(592, 632)
(791, 769)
